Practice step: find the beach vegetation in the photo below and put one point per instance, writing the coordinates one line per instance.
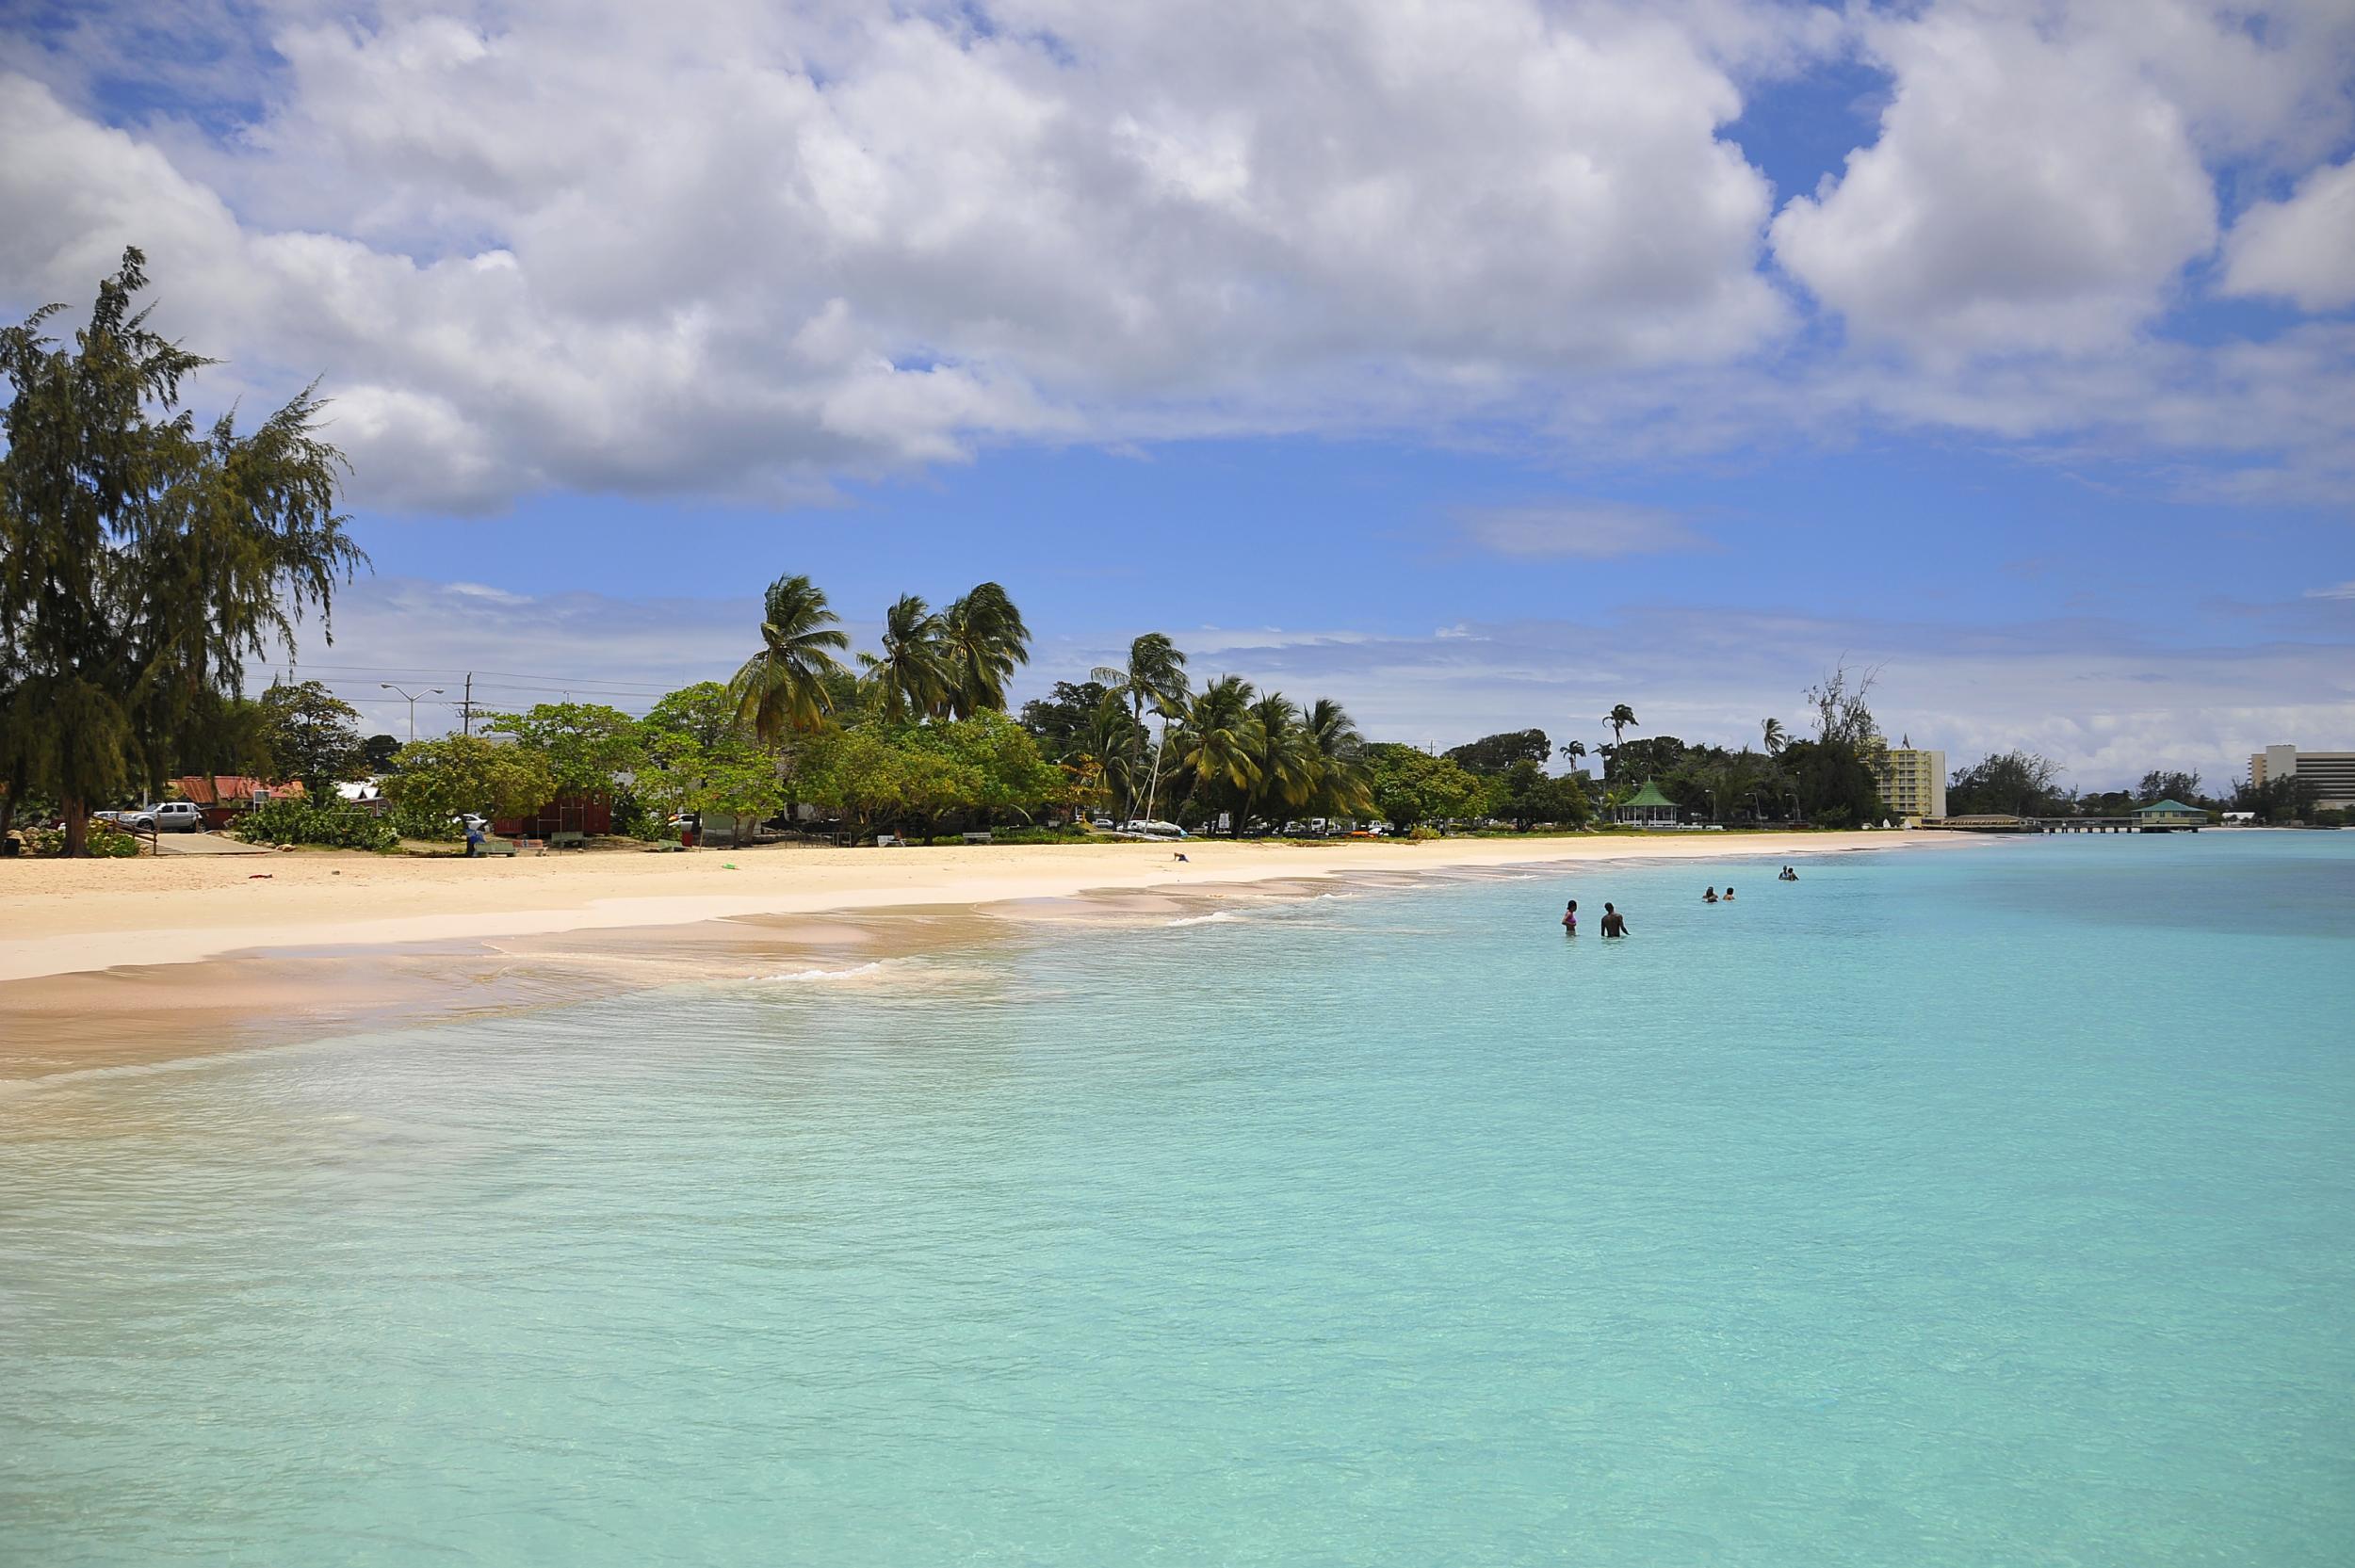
(1525, 794)
(982, 639)
(1409, 786)
(309, 734)
(698, 751)
(2015, 782)
(144, 561)
(307, 819)
(782, 687)
(1494, 753)
(436, 780)
(587, 745)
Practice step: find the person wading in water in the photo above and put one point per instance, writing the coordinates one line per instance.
(1614, 922)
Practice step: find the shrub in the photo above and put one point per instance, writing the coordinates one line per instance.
(302, 820)
(107, 841)
(414, 821)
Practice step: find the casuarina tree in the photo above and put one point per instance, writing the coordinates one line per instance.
(143, 560)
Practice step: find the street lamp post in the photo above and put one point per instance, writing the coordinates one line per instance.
(388, 686)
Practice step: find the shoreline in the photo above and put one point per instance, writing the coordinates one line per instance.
(66, 917)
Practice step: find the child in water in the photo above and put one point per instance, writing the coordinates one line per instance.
(1729, 898)
(1569, 918)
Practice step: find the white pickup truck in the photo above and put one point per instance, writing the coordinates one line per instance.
(171, 817)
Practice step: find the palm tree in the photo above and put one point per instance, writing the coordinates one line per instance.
(983, 638)
(912, 677)
(1776, 738)
(1218, 747)
(1341, 787)
(1287, 765)
(1111, 745)
(1621, 717)
(782, 687)
(1155, 676)
(1572, 751)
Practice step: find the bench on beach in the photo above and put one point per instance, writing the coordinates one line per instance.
(494, 846)
(979, 837)
(889, 841)
(568, 841)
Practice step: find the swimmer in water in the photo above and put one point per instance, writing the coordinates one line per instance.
(1710, 896)
(1788, 875)
(1614, 922)
(1729, 898)
(1569, 918)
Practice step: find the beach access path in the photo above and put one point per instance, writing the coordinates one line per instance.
(60, 918)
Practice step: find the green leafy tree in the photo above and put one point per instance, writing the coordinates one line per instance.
(2015, 782)
(586, 744)
(1833, 785)
(1410, 788)
(1657, 757)
(698, 756)
(1008, 776)
(378, 751)
(1525, 794)
(312, 734)
(2160, 784)
(1494, 753)
(984, 639)
(435, 780)
(783, 687)
(142, 561)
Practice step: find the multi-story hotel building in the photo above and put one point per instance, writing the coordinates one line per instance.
(2333, 773)
(1913, 781)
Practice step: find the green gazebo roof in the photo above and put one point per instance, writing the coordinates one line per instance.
(2176, 806)
(1649, 796)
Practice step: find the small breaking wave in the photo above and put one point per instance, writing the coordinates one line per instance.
(1206, 919)
(799, 976)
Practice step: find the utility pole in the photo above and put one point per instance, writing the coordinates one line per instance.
(465, 708)
(387, 686)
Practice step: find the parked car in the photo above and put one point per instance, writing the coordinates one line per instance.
(171, 817)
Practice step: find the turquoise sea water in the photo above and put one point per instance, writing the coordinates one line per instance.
(1994, 1206)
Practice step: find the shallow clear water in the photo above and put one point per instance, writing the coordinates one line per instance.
(1992, 1206)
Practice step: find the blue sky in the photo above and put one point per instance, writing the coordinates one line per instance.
(1482, 374)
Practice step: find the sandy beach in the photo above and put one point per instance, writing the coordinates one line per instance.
(60, 918)
(109, 964)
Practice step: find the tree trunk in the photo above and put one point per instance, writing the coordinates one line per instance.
(76, 826)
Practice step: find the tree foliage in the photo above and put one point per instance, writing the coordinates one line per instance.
(1494, 753)
(586, 744)
(1410, 788)
(142, 560)
(782, 687)
(2015, 784)
(312, 734)
(435, 780)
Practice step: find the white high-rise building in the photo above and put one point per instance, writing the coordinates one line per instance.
(2333, 773)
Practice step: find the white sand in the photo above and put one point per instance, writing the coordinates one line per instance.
(69, 916)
